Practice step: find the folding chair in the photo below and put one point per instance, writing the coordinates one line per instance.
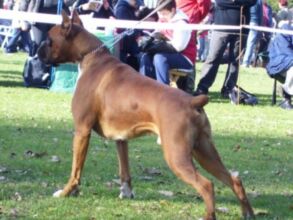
(175, 74)
(6, 32)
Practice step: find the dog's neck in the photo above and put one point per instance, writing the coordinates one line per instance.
(93, 46)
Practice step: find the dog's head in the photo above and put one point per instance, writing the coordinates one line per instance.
(60, 45)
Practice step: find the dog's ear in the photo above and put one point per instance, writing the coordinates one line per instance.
(66, 24)
(75, 18)
(199, 101)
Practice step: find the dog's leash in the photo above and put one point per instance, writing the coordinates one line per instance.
(129, 31)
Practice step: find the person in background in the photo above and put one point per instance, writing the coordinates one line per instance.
(129, 51)
(40, 30)
(267, 21)
(20, 38)
(256, 17)
(157, 65)
(226, 13)
(196, 10)
(96, 8)
(284, 14)
(280, 65)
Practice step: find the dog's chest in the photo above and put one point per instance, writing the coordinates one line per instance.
(120, 132)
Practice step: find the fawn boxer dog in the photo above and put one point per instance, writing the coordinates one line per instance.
(114, 100)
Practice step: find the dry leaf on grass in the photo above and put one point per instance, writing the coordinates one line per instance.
(222, 209)
(14, 213)
(152, 171)
(17, 196)
(31, 154)
(3, 170)
(261, 213)
(146, 178)
(55, 159)
(166, 193)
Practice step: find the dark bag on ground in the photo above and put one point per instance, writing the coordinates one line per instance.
(240, 96)
(36, 73)
(152, 45)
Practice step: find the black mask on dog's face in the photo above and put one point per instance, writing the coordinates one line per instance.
(58, 45)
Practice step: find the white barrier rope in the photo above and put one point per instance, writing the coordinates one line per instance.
(93, 23)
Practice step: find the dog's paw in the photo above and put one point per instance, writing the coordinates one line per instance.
(125, 191)
(58, 193)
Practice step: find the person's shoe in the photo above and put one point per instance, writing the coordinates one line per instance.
(199, 92)
(225, 93)
(286, 104)
(10, 50)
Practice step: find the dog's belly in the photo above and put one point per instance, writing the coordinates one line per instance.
(127, 132)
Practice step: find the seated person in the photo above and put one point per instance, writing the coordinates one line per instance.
(280, 64)
(157, 65)
(99, 10)
(126, 10)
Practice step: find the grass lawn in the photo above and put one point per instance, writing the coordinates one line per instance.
(36, 128)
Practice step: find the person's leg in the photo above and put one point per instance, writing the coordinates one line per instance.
(233, 66)
(26, 40)
(146, 67)
(38, 34)
(288, 85)
(11, 45)
(163, 62)
(218, 45)
(250, 45)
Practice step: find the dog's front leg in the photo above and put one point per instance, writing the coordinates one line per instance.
(80, 147)
(125, 189)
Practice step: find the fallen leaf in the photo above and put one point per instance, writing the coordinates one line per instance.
(245, 172)
(222, 209)
(44, 184)
(254, 194)
(152, 171)
(237, 148)
(12, 155)
(147, 178)
(3, 170)
(17, 196)
(14, 213)
(290, 133)
(109, 185)
(117, 181)
(55, 159)
(261, 212)
(166, 193)
(21, 172)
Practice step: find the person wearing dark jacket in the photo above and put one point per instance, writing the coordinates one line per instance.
(227, 12)
(99, 10)
(280, 65)
(125, 10)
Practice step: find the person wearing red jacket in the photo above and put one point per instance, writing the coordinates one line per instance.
(196, 10)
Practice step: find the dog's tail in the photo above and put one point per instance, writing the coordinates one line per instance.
(199, 101)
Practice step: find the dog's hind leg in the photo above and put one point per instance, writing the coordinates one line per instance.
(180, 161)
(80, 147)
(125, 189)
(207, 156)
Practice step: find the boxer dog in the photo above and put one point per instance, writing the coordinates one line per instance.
(118, 103)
